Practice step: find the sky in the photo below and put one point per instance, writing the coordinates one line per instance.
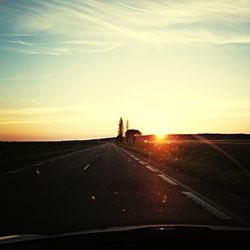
(71, 69)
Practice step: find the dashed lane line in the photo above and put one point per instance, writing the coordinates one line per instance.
(195, 196)
(165, 178)
(85, 168)
(38, 172)
(150, 168)
(142, 162)
(207, 206)
(137, 159)
(39, 164)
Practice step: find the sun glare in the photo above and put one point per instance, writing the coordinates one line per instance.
(161, 137)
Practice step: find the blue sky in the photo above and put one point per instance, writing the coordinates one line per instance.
(70, 69)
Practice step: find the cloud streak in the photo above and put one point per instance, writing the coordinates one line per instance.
(34, 115)
(19, 77)
(102, 26)
(49, 114)
(54, 48)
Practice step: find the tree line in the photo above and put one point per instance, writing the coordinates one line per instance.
(129, 135)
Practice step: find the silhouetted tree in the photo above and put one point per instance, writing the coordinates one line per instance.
(127, 127)
(120, 130)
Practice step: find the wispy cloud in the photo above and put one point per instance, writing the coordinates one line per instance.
(47, 114)
(14, 35)
(20, 42)
(25, 77)
(29, 100)
(63, 47)
(101, 26)
(34, 115)
(86, 42)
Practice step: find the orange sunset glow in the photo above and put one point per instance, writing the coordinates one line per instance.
(187, 73)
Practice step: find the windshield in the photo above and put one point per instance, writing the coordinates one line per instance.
(123, 113)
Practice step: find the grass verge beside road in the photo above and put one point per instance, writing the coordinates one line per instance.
(204, 161)
(15, 155)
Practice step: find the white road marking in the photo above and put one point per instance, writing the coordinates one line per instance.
(136, 158)
(150, 168)
(207, 206)
(226, 215)
(142, 162)
(45, 162)
(85, 168)
(165, 178)
(39, 164)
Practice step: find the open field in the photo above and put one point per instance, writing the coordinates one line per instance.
(15, 155)
(221, 163)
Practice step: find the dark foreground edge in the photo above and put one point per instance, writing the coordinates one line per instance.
(143, 236)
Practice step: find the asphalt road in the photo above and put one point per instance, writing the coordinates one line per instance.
(99, 187)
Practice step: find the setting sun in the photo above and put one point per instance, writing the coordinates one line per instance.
(124, 118)
(161, 137)
(173, 70)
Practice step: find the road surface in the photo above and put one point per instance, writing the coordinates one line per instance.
(99, 187)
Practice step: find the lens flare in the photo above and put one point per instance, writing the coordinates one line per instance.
(160, 137)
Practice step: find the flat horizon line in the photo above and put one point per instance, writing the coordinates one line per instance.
(109, 138)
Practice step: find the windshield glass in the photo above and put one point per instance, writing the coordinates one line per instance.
(120, 113)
